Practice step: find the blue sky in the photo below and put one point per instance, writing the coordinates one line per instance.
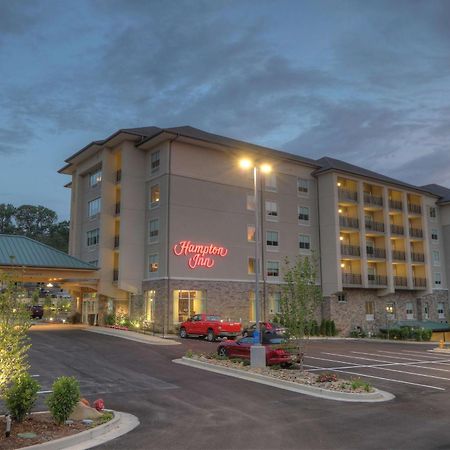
(366, 82)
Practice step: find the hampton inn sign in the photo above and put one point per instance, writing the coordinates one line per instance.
(200, 255)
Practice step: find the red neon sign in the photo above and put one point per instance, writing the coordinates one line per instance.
(200, 255)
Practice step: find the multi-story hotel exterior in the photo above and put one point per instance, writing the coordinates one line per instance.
(168, 216)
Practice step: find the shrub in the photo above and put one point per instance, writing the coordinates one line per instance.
(63, 399)
(21, 397)
(322, 327)
(189, 353)
(110, 319)
(326, 378)
(426, 335)
(333, 328)
(357, 383)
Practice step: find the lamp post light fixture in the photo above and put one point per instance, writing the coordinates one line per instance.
(257, 351)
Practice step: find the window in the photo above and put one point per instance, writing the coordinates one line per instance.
(433, 212)
(437, 279)
(154, 196)
(342, 297)
(251, 266)
(95, 178)
(370, 310)
(187, 304)
(93, 237)
(440, 311)
(251, 233)
(272, 240)
(390, 310)
(303, 214)
(409, 311)
(273, 269)
(304, 242)
(426, 311)
(154, 161)
(250, 202)
(276, 302)
(302, 186)
(153, 233)
(153, 263)
(436, 258)
(251, 309)
(94, 207)
(270, 182)
(271, 211)
(149, 297)
(434, 234)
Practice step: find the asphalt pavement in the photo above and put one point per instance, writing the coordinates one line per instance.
(186, 408)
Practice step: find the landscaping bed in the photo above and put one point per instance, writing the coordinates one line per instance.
(328, 381)
(45, 428)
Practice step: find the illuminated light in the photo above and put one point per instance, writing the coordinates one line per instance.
(245, 164)
(342, 265)
(200, 255)
(341, 238)
(51, 319)
(49, 285)
(339, 184)
(266, 168)
(340, 211)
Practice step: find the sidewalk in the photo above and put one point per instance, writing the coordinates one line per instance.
(133, 336)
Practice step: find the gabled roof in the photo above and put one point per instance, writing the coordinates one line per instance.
(439, 190)
(23, 251)
(330, 164)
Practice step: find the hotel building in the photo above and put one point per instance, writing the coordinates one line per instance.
(169, 218)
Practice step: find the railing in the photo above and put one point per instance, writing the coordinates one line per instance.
(418, 257)
(345, 195)
(348, 222)
(397, 229)
(373, 252)
(398, 255)
(351, 278)
(400, 281)
(420, 282)
(414, 208)
(118, 175)
(115, 274)
(350, 250)
(416, 232)
(117, 208)
(396, 204)
(370, 199)
(116, 241)
(375, 226)
(377, 280)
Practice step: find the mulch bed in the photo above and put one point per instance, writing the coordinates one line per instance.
(41, 424)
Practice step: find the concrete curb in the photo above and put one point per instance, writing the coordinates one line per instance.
(121, 424)
(132, 336)
(377, 396)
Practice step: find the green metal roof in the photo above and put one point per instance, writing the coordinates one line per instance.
(23, 251)
(426, 324)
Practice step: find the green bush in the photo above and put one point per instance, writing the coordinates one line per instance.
(21, 397)
(323, 327)
(63, 399)
(426, 334)
(333, 328)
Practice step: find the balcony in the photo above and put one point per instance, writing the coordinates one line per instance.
(372, 200)
(400, 281)
(417, 257)
(115, 274)
(416, 232)
(345, 195)
(397, 229)
(373, 252)
(118, 175)
(117, 208)
(414, 208)
(348, 222)
(374, 226)
(396, 204)
(377, 280)
(350, 250)
(420, 282)
(353, 279)
(398, 255)
(116, 241)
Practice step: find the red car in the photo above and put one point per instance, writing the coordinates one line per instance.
(211, 326)
(241, 349)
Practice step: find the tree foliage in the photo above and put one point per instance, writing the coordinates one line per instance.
(14, 343)
(300, 299)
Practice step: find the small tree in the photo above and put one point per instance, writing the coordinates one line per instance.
(14, 324)
(300, 299)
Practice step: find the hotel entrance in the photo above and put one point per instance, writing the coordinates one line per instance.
(187, 303)
(89, 310)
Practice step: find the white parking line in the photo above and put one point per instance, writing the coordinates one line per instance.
(403, 353)
(378, 378)
(387, 356)
(45, 392)
(34, 376)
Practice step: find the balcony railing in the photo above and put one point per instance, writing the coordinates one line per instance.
(351, 278)
(116, 241)
(396, 204)
(370, 199)
(348, 222)
(400, 281)
(416, 232)
(373, 252)
(417, 257)
(397, 229)
(420, 282)
(346, 195)
(414, 208)
(118, 175)
(375, 226)
(350, 250)
(398, 255)
(117, 210)
(115, 274)
(377, 280)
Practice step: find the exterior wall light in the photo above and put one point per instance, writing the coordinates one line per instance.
(341, 238)
(342, 265)
(340, 211)
(339, 184)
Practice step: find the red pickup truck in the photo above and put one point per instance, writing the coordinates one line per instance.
(211, 326)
